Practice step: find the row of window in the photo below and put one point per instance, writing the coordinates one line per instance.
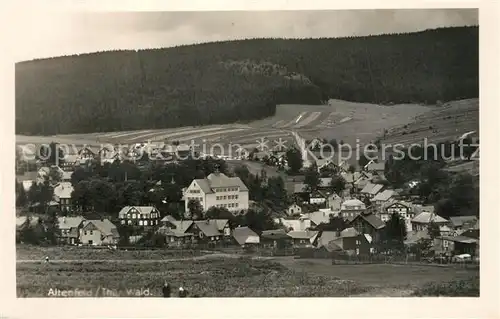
(141, 222)
(90, 232)
(200, 199)
(226, 197)
(223, 190)
(230, 205)
(195, 191)
(148, 216)
(192, 239)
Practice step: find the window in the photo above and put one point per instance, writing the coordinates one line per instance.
(123, 221)
(156, 222)
(92, 232)
(236, 204)
(225, 197)
(129, 222)
(201, 199)
(145, 223)
(236, 196)
(85, 232)
(140, 222)
(133, 216)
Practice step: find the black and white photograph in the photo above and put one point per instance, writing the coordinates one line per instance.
(198, 154)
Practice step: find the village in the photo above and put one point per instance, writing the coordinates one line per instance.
(324, 209)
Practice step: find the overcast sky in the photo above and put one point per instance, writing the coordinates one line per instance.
(45, 35)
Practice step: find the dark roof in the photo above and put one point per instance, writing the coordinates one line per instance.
(460, 239)
(373, 220)
(457, 221)
(241, 234)
(274, 234)
(208, 227)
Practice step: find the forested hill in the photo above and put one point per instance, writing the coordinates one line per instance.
(240, 80)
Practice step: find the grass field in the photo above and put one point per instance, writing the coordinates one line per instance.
(338, 119)
(217, 275)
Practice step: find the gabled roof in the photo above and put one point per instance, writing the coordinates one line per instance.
(319, 194)
(371, 219)
(419, 209)
(458, 221)
(63, 190)
(349, 232)
(140, 209)
(168, 218)
(372, 166)
(460, 239)
(105, 226)
(274, 234)
(427, 217)
(385, 195)
(354, 202)
(20, 220)
(69, 222)
(302, 234)
(323, 238)
(181, 226)
(221, 223)
(244, 235)
(371, 188)
(208, 227)
(300, 188)
(217, 180)
(319, 217)
(413, 237)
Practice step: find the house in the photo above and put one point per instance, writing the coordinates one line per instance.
(244, 236)
(27, 185)
(456, 245)
(318, 198)
(334, 202)
(97, 232)
(167, 220)
(294, 209)
(322, 238)
(368, 224)
(324, 183)
(139, 216)
(69, 229)
(86, 154)
(34, 221)
(351, 208)
(176, 232)
(66, 176)
(62, 195)
(383, 197)
(302, 238)
(302, 223)
(218, 190)
(300, 191)
(362, 180)
(413, 237)
(463, 222)
(422, 221)
(209, 231)
(370, 190)
(402, 208)
(320, 217)
(353, 242)
(275, 238)
(375, 167)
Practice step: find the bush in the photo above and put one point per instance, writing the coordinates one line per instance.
(463, 288)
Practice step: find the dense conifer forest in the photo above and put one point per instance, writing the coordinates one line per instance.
(242, 80)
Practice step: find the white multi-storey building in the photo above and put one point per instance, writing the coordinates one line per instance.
(218, 190)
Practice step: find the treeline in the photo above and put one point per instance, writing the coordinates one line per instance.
(226, 82)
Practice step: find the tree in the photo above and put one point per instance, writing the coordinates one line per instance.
(336, 223)
(28, 234)
(80, 174)
(334, 144)
(395, 232)
(22, 197)
(258, 220)
(53, 154)
(362, 161)
(195, 209)
(219, 213)
(131, 193)
(337, 184)
(55, 175)
(51, 229)
(275, 193)
(312, 178)
(294, 159)
(433, 230)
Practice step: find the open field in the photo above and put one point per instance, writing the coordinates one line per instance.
(220, 275)
(338, 119)
(445, 123)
